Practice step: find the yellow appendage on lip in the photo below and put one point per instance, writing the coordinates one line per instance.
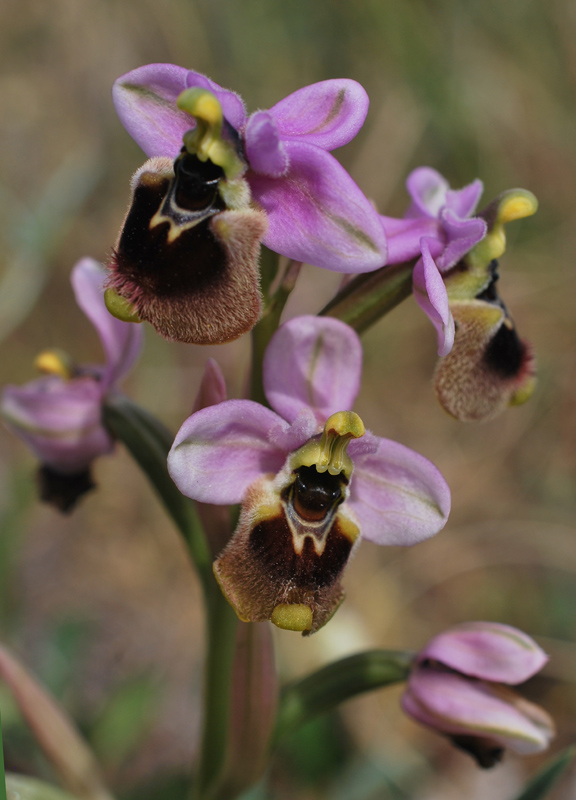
(55, 362)
(328, 454)
(205, 141)
(292, 617)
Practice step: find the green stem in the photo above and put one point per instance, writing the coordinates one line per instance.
(267, 327)
(149, 441)
(325, 689)
(368, 297)
(221, 625)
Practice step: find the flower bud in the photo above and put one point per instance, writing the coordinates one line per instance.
(457, 688)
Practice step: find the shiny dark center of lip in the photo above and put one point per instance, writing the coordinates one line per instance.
(314, 493)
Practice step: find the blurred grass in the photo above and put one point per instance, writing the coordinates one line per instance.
(475, 89)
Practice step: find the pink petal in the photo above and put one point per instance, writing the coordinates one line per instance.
(219, 451)
(313, 362)
(145, 101)
(122, 341)
(212, 389)
(463, 201)
(428, 190)
(59, 420)
(430, 294)
(461, 236)
(318, 215)
(487, 650)
(455, 705)
(329, 114)
(403, 237)
(264, 148)
(398, 496)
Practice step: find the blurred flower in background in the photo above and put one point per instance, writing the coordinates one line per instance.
(59, 416)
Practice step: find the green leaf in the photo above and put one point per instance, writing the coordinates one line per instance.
(149, 441)
(545, 780)
(325, 689)
(21, 787)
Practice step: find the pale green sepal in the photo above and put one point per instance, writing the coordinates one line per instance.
(119, 307)
(325, 689)
(549, 775)
(22, 787)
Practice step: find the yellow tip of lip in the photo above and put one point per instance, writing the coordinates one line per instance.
(292, 617)
(119, 307)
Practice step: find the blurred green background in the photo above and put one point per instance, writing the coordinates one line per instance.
(103, 605)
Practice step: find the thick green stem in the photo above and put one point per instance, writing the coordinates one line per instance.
(149, 442)
(368, 297)
(325, 689)
(266, 328)
(221, 622)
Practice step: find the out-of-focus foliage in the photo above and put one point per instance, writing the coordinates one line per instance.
(477, 89)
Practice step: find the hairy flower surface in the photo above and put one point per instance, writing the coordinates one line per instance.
(315, 211)
(60, 415)
(459, 687)
(311, 481)
(487, 367)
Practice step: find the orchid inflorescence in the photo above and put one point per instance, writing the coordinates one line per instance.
(310, 481)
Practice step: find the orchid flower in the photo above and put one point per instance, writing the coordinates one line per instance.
(59, 416)
(486, 367)
(310, 479)
(459, 687)
(186, 259)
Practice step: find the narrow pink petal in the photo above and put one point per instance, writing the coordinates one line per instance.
(398, 496)
(487, 650)
(219, 451)
(461, 236)
(430, 294)
(59, 420)
(328, 114)
(232, 104)
(122, 341)
(403, 237)
(456, 705)
(317, 214)
(463, 201)
(428, 190)
(313, 362)
(212, 389)
(264, 148)
(145, 101)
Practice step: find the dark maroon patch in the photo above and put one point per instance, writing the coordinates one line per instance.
(314, 494)
(194, 260)
(505, 352)
(63, 491)
(271, 544)
(486, 753)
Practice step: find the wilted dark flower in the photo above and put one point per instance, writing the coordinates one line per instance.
(60, 415)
